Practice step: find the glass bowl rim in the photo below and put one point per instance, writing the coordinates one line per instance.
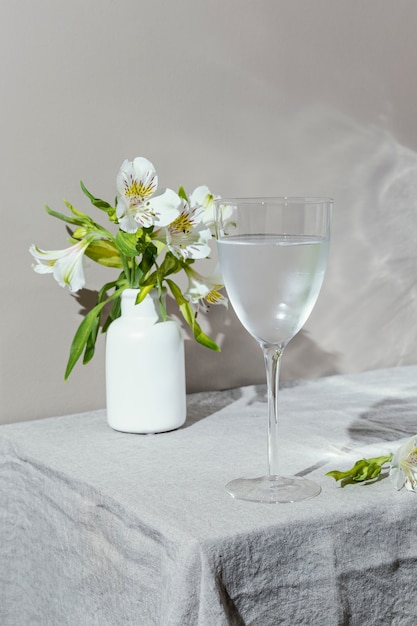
(282, 200)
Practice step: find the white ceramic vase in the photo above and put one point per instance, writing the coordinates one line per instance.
(145, 371)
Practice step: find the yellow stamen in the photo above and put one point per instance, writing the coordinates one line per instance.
(182, 223)
(138, 190)
(214, 295)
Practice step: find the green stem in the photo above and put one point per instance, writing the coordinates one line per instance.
(126, 269)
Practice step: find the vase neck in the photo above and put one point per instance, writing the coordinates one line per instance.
(148, 308)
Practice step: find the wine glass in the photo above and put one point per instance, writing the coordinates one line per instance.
(273, 255)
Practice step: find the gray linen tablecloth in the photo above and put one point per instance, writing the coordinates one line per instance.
(109, 529)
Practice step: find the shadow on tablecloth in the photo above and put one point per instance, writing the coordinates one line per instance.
(389, 419)
(204, 404)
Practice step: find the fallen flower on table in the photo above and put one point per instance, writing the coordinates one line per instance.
(404, 466)
(402, 471)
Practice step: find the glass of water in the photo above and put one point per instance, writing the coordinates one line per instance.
(273, 255)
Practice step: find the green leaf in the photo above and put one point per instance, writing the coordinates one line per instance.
(364, 469)
(162, 302)
(64, 218)
(149, 255)
(115, 312)
(182, 194)
(126, 243)
(170, 265)
(144, 291)
(120, 284)
(84, 218)
(187, 312)
(100, 204)
(91, 341)
(87, 329)
(81, 337)
(105, 253)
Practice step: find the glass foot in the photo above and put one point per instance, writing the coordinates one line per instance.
(273, 489)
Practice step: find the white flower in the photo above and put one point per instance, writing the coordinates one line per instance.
(187, 236)
(138, 204)
(203, 197)
(66, 265)
(202, 288)
(404, 466)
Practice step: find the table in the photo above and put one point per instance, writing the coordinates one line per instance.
(110, 529)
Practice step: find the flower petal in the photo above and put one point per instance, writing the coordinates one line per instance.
(192, 245)
(404, 465)
(70, 272)
(137, 180)
(187, 237)
(66, 265)
(202, 197)
(126, 216)
(205, 288)
(164, 207)
(397, 478)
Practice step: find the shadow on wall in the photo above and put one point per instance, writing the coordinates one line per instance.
(365, 316)
(240, 361)
(87, 299)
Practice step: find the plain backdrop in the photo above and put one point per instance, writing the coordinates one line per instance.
(251, 97)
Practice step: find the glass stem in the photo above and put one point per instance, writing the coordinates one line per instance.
(272, 357)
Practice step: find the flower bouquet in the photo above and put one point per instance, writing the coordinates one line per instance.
(153, 235)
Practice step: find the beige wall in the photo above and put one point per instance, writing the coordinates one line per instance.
(273, 97)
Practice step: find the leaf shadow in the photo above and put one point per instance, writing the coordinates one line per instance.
(389, 419)
(87, 300)
(364, 483)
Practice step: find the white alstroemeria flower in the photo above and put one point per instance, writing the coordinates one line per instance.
(206, 289)
(66, 265)
(138, 204)
(203, 197)
(404, 466)
(187, 237)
